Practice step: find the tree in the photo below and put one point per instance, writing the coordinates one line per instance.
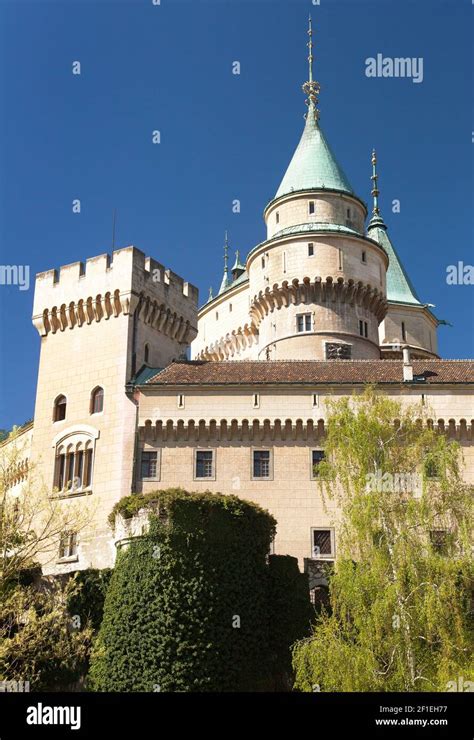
(32, 517)
(401, 591)
(40, 642)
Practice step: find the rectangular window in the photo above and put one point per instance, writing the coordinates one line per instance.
(180, 400)
(310, 250)
(60, 472)
(149, 464)
(363, 328)
(204, 464)
(322, 543)
(311, 207)
(317, 456)
(315, 399)
(87, 480)
(304, 322)
(277, 216)
(79, 472)
(67, 545)
(364, 257)
(404, 334)
(431, 469)
(256, 400)
(261, 464)
(439, 540)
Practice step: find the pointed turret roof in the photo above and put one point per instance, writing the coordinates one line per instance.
(399, 286)
(225, 276)
(313, 165)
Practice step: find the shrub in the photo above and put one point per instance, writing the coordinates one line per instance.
(187, 609)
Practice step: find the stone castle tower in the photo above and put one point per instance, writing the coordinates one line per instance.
(322, 285)
(100, 323)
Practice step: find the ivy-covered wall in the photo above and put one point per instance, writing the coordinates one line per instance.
(193, 604)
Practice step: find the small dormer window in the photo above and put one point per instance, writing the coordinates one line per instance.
(310, 250)
(311, 207)
(277, 217)
(364, 257)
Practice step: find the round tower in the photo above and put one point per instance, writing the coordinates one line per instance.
(317, 284)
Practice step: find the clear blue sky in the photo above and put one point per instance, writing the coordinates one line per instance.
(223, 136)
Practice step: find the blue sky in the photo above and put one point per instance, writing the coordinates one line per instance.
(223, 136)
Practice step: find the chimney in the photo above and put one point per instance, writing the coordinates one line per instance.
(407, 366)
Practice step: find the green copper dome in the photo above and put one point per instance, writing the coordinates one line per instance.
(313, 166)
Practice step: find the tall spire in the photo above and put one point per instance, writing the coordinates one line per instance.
(375, 192)
(311, 88)
(376, 219)
(225, 277)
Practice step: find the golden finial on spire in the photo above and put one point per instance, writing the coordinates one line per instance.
(375, 190)
(311, 87)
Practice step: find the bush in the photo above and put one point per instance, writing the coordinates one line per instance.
(87, 600)
(187, 608)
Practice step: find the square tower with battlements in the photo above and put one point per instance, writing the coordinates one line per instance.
(100, 322)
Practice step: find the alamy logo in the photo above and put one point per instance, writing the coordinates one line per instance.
(44, 715)
(381, 66)
(460, 274)
(15, 275)
(460, 685)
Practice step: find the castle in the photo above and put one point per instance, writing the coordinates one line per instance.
(319, 309)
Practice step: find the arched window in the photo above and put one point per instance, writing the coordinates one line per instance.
(147, 353)
(74, 450)
(97, 400)
(59, 412)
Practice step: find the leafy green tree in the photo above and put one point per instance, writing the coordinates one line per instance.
(39, 641)
(401, 616)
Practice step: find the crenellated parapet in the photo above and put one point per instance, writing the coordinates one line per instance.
(108, 287)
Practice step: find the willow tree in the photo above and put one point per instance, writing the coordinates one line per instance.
(401, 590)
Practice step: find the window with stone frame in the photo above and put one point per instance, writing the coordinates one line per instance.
(322, 543)
(60, 406)
(261, 464)
(97, 400)
(204, 464)
(439, 541)
(74, 452)
(67, 545)
(304, 322)
(317, 457)
(73, 467)
(149, 464)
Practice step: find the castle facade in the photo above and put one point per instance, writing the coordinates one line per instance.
(318, 310)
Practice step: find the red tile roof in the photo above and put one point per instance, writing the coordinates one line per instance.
(310, 372)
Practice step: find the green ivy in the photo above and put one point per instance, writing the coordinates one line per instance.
(87, 600)
(188, 608)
